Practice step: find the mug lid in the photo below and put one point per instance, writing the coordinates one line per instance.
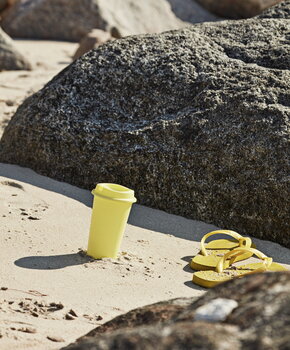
(114, 191)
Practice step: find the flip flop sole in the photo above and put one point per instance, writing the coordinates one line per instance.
(216, 249)
(209, 279)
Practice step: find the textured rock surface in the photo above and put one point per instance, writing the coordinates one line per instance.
(280, 11)
(237, 8)
(92, 40)
(259, 321)
(73, 19)
(10, 58)
(190, 11)
(149, 315)
(196, 121)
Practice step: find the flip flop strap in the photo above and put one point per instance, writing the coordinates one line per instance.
(239, 251)
(243, 241)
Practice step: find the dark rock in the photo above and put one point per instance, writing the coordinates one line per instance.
(181, 336)
(149, 315)
(195, 121)
(259, 321)
(190, 11)
(10, 58)
(280, 11)
(237, 8)
(73, 19)
(3, 4)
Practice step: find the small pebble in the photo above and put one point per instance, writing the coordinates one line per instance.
(33, 218)
(27, 330)
(69, 317)
(9, 103)
(88, 317)
(71, 312)
(59, 306)
(55, 339)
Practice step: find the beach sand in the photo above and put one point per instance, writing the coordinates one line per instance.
(44, 229)
(50, 292)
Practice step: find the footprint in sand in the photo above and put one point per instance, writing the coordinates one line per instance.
(12, 184)
(33, 307)
(16, 203)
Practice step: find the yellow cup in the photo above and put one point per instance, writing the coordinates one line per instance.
(111, 209)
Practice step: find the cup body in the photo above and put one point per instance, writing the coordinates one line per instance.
(111, 209)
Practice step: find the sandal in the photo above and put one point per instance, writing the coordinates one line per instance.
(210, 279)
(210, 254)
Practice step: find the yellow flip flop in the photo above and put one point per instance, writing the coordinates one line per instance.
(224, 273)
(210, 254)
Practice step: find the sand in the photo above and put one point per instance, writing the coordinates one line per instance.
(50, 292)
(44, 228)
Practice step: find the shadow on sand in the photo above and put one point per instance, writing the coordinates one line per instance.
(17, 173)
(141, 216)
(53, 262)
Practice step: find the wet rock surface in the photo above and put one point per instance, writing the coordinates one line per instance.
(259, 321)
(237, 8)
(10, 58)
(195, 121)
(73, 19)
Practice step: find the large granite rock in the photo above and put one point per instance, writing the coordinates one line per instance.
(248, 313)
(237, 8)
(73, 19)
(10, 58)
(191, 11)
(196, 121)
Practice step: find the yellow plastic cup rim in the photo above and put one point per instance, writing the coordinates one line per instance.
(114, 192)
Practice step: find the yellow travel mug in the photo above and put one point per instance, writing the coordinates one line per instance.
(111, 209)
